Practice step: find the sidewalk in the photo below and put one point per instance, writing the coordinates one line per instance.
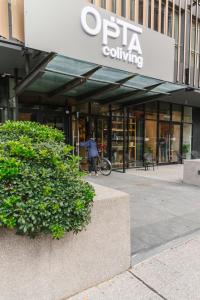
(173, 274)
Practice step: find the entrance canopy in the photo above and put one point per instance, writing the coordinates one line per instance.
(83, 81)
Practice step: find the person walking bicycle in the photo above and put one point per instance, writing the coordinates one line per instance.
(93, 154)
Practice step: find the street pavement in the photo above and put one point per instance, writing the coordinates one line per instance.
(165, 239)
(173, 274)
(161, 211)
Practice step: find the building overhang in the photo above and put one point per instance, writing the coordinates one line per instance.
(65, 77)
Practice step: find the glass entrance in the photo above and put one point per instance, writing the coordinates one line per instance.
(164, 142)
(169, 142)
(175, 156)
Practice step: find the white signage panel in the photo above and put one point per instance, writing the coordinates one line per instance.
(82, 31)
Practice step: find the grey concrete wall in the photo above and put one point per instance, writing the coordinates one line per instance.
(45, 269)
(190, 173)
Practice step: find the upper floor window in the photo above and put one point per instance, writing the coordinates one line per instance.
(123, 8)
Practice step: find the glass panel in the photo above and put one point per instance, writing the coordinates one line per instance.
(117, 139)
(102, 136)
(150, 141)
(110, 75)
(66, 65)
(99, 109)
(151, 110)
(164, 111)
(136, 135)
(103, 3)
(187, 114)
(170, 17)
(176, 112)
(141, 82)
(175, 143)
(48, 82)
(164, 142)
(168, 87)
(119, 91)
(187, 141)
(88, 86)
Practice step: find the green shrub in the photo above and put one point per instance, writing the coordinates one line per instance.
(41, 188)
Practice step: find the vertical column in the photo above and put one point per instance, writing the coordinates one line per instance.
(136, 11)
(173, 18)
(124, 138)
(190, 47)
(145, 20)
(185, 41)
(166, 17)
(4, 23)
(118, 7)
(196, 44)
(159, 15)
(128, 9)
(109, 5)
(17, 8)
(152, 14)
(179, 42)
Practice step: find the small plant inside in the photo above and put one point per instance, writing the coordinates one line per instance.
(42, 190)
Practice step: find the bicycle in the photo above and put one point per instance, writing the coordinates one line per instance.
(104, 166)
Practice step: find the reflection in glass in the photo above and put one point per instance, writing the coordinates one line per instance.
(135, 138)
(150, 138)
(176, 113)
(151, 111)
(187, 141)
(164, 142)
(175, 143)
(164, 109)
(188, 114)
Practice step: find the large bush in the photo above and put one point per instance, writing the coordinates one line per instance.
(41, 188)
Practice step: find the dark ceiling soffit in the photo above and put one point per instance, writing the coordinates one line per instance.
(110, 87)
(35, 73)
(73, 83)
(132, 93)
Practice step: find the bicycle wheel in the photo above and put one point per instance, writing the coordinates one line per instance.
(105, 166)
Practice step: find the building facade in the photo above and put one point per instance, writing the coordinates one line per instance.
(138, 96)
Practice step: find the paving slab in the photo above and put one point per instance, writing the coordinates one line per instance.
(161, 211)
(175, 272)
(122, 287)
(172, 274)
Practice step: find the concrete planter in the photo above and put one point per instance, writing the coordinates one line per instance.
(191, 173)
(44, 269)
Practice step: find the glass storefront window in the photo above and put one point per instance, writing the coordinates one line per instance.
(176, 113)
(187, 114)
(99, 109)
(136, 136)
(164, 111)
(151, 111)
(150, 140)
(187, 141)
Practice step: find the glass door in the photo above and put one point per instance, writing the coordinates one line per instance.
(175, 155)
(164, 142)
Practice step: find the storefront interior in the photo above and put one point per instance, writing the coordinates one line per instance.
(121, 110)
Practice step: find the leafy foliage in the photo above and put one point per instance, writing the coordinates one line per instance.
(41, 188)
